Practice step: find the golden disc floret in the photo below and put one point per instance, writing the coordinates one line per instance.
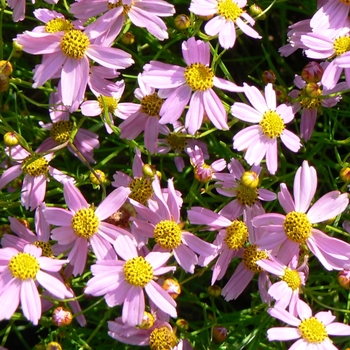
(167, 234)
(138, 272)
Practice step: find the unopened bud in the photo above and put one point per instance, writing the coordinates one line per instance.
(344, 279)
(250, 179)
(128, 38)
(182, 324)
(313, 90)
(206, 18)
(150, 170)
(344, 174)
(11, 139)
(121, 217)
(62, 317)
(172, 287)
(5, 229)
(4, 82)
(312, 72)
(256, 11)
(100, 179)
(214, 291)
(182, 22)
(147, 321)
(24, 222)
(17, 49)
(268, 76)
(281, 93)
(53, 346)
(6, 68)
(219, 334)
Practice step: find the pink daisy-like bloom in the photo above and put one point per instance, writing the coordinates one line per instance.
(289, 231)
(36, 170)
(285, 292)
(309, 100)
(312, 332)
(123, 282)
(204, 172)
(229, 14)
(243, 185)
(69, 51)
(261, 140)
(85, 141)
(142, 13)
(82, 225)
(145, 118)
(109, 106)
(20, 274)
(193, 83)
(161, 221)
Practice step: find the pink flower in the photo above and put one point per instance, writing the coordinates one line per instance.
(244, 186)
(142, 13)
(196, 78)
(82, 224)
(20, 273)
(70, 52)
(289, 231)
(36, 169)
(312, 331)
(229, 13)
(161, 221)
(261, 140)
(123, 282)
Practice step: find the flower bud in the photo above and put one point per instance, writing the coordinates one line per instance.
(219, 334)
(312, 72)
(268, 76)
(206, 18)
(344, 279)
(182, 324)
(256, 11)
(149, 171)
(250, 179)
(53, 346)
(214, 291)
(24, 222)
(313, 90)
(100, 179)
(147, 321)
(121, 217)
(172, 287)
(62, 317)
(5, 229)
(128, 38)
(344, 174)
(4, 82)
(182, 22)
(6, 68)
(17, 49)
(281, 93)
(11, 139)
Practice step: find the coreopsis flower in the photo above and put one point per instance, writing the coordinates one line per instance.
(202, 171)
(142, 13)
(312, 332)
(82, 225)
(36, 169)
(261, 140)
(289, 231)
(244, 185)
(309, 100)
(145, 118)
(123, 282)
(285, 292)
(69, 51)
(20, 274)
(192, 83)
(109, 106)
(230, 14)
(162, 222)
(85, 141)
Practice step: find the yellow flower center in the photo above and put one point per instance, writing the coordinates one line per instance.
(246, 195)
(60, 131)
(141, 190)
(229, 10)
(167, 234)
(341, 45)
(297, 227)
(119, 3)
(292, 278)
(24, 266)
(35, 167)
(313, 330)
(177, 141)
(58, 25)
(45, 247)
(74, 43)
(85, 223)
(272, 124)
(251, 255)
(151, 104)
(138, 272)
(108, 103)
(199, 77)
(236, 235)
(162, 339)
